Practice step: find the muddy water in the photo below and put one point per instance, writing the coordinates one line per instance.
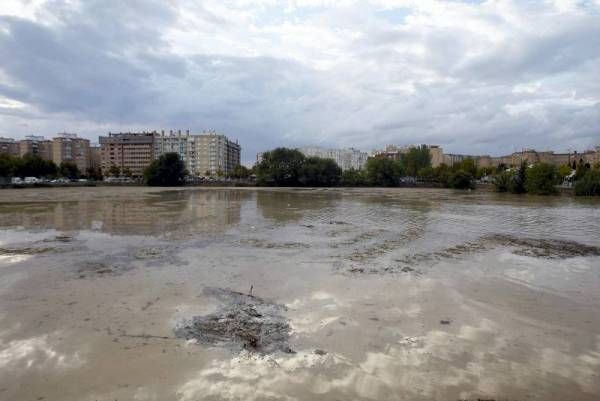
(379, 295)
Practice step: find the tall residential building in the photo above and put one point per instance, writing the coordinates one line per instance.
(129, 151)
(9, 146)
(207, 152)
(215, 153)
(345, 158)
(69, 147)
(36, 145)
(177, 142)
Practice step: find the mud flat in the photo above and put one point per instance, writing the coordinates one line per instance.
(297, 294)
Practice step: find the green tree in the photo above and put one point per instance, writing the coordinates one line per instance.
(442, 174)
(485, 171)
(383, 172)
(581, 170)
(167, 170)
(280, 167)
(114, 170)
(427, 174)
(564, 171)
(517, 184)
(34, 166)
(240, 171)
(503, 181)
(468, 165)
(461, 179)
(319, 172)
(8, 165)
(94, 173)
(500, 167)
(126, 172)
(353, 178)
(69, 169)
(589, 184)
(415, 159)
(541, 179)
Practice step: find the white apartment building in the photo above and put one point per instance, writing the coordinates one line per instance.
(205, 153)
(345, 158)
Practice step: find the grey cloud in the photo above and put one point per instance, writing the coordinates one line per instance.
(108, 65)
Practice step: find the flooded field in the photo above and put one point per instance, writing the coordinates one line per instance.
(244, 294)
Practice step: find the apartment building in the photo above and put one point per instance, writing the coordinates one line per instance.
(345, 158)
(177, 142)
(69, 147)
(130, 152)
(9, 146)
(204, 153)
(214, 154)
(36, 145)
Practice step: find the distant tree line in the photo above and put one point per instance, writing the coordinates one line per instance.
(31, 165)
(542, 179)
(289, 167)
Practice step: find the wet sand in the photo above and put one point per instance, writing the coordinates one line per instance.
(380, 294)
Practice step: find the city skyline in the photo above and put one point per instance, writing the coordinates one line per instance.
(479, 77)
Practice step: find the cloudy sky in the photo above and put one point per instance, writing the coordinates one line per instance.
(480, 77)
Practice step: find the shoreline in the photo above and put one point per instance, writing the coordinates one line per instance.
(562, 191)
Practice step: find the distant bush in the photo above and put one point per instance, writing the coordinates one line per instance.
(318, 172)
(503, 181)
(461, 179)
(168, 170)
(280, 167)
(517, 184)
(541, 179)
(383, 172)
(589, 184)
(353, 178)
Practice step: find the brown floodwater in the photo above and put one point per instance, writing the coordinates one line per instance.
(375, 294)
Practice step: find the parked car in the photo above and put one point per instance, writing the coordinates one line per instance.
(16, 180)
(31, 180)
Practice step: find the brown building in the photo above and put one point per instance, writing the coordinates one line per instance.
(69, 147)
(131, 152)
(36, 145)
(9, 146)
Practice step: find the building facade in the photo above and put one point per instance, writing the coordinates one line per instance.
(69, 147)
(206, 153)
(215, 154)
(9, 146)
(345, 158)
(36, 145)
(176, 142)
(130, 152)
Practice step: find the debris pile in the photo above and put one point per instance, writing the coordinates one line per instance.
(242, 322)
